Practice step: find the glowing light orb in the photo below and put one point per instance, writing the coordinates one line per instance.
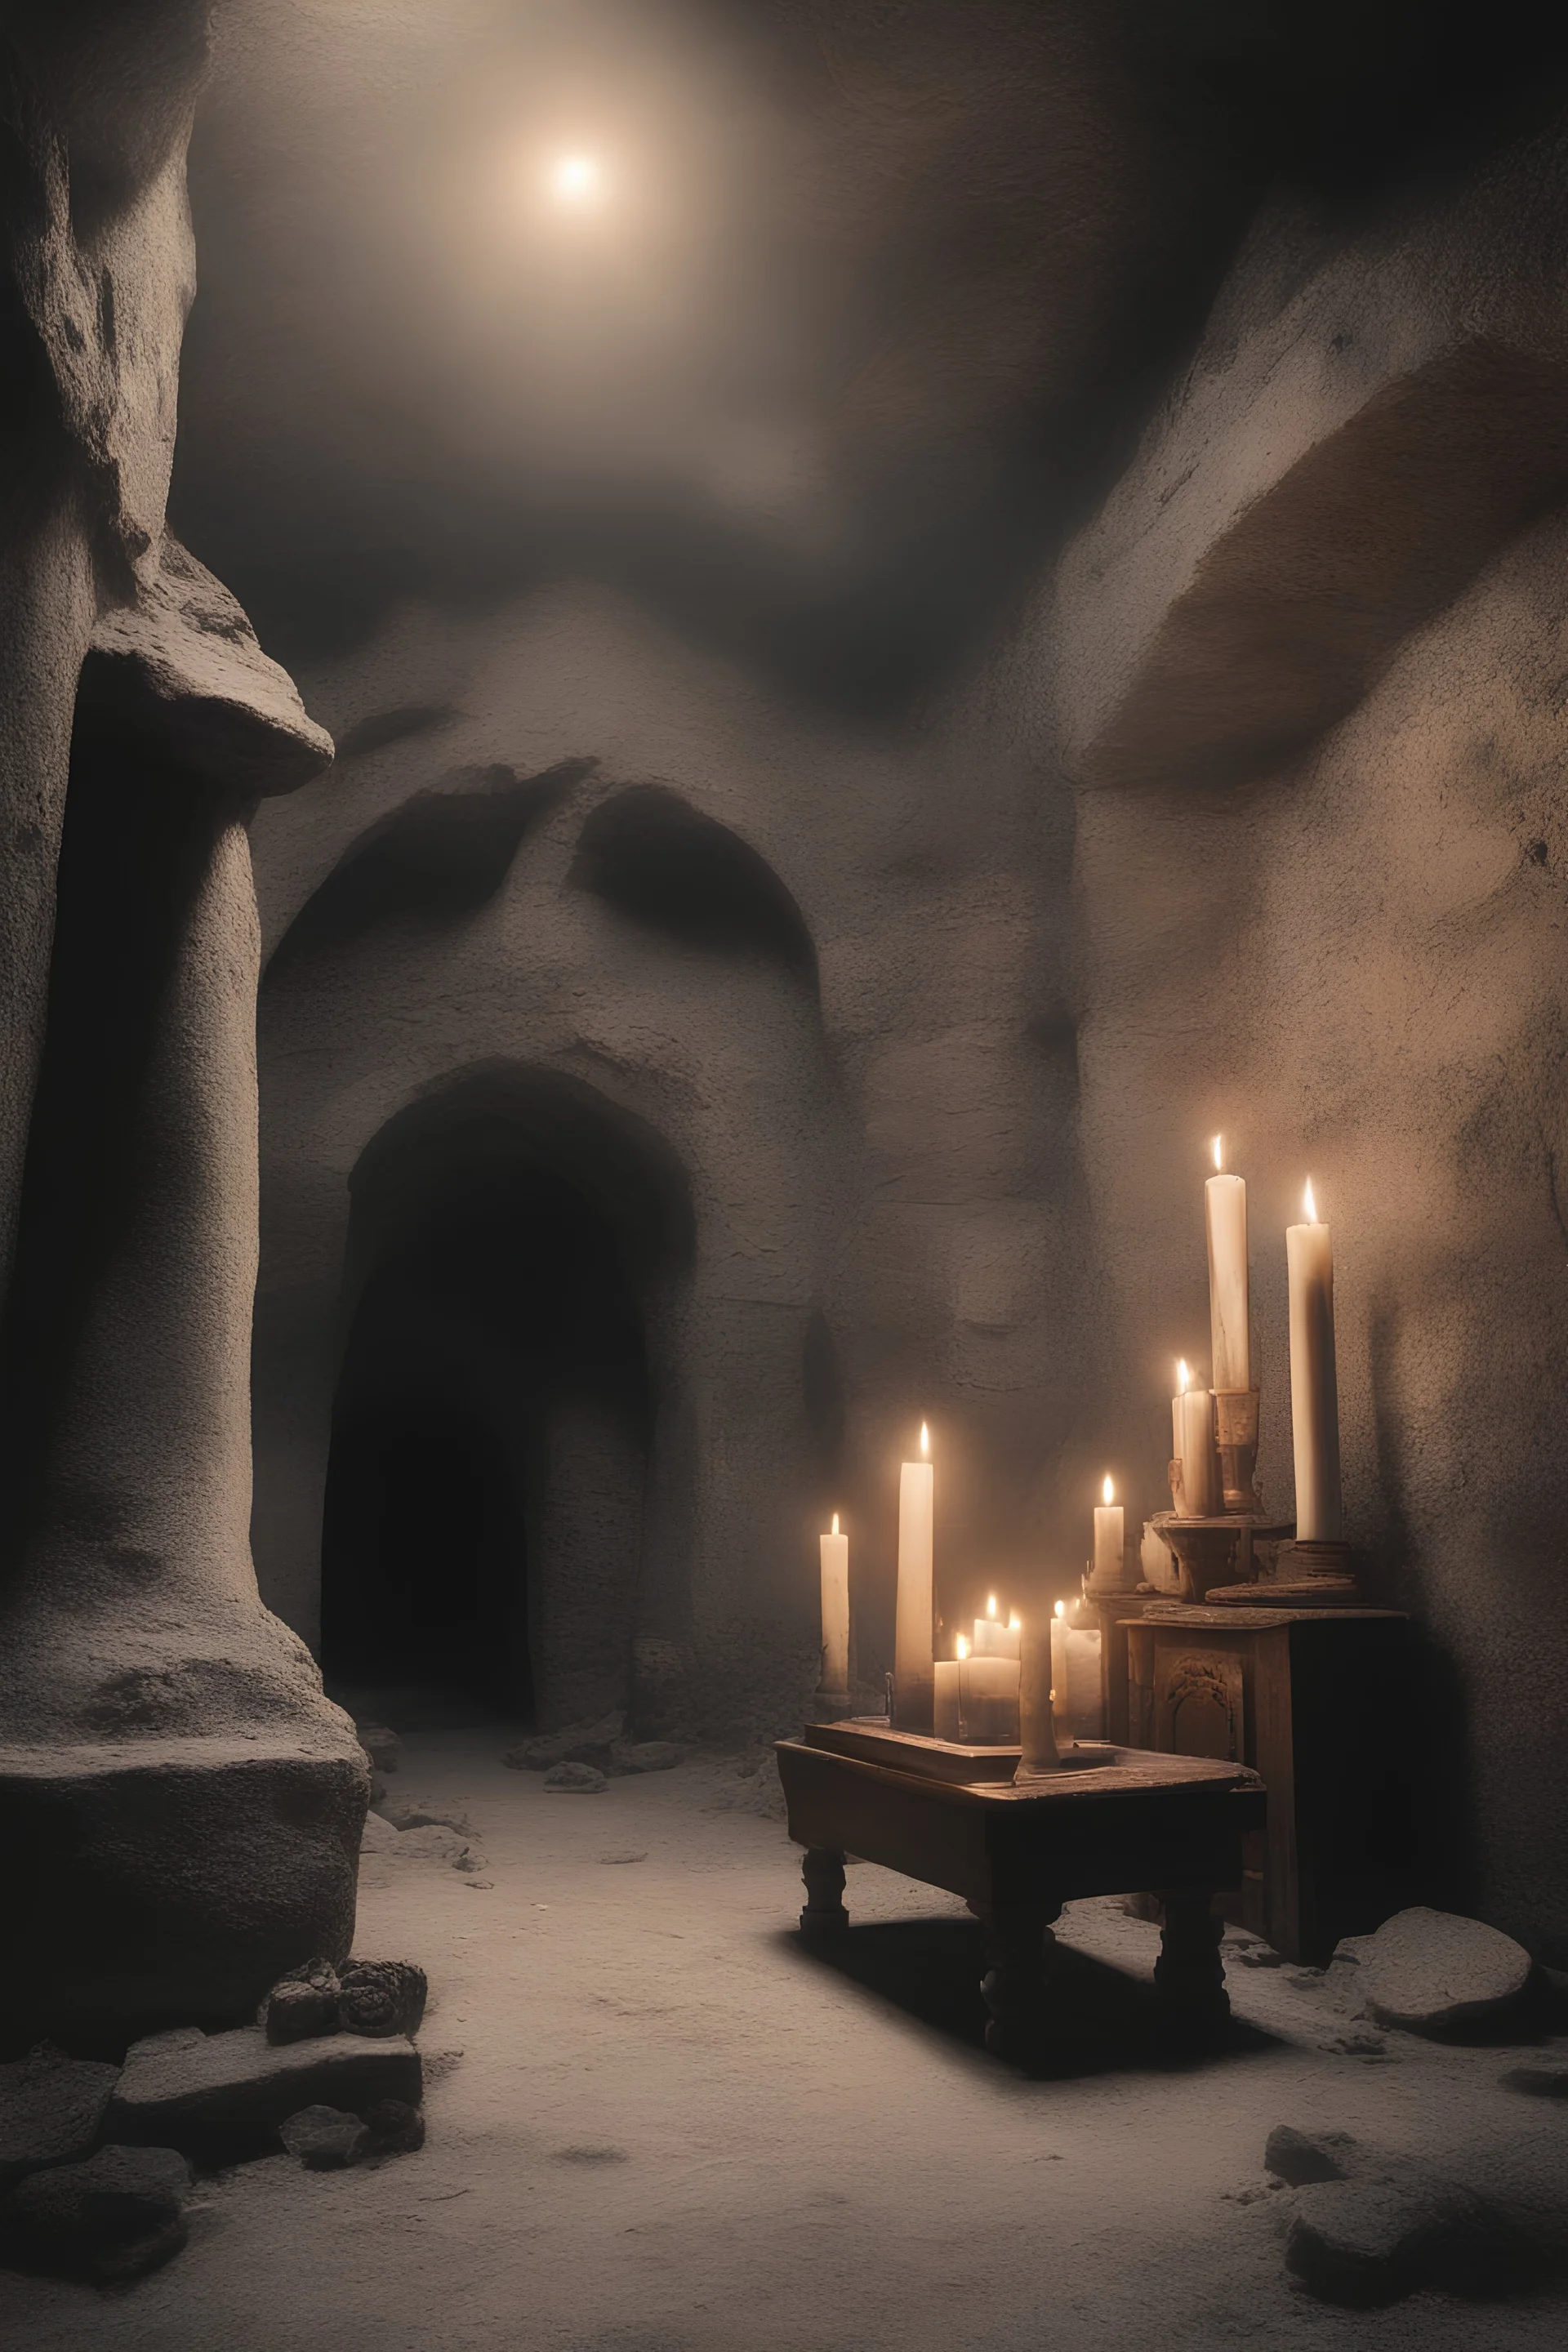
(577, 180)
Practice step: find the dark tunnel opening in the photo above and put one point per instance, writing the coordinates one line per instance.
(483, 1529)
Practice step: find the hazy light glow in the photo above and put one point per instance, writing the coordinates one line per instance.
(925, 1439)
(836, 1523)
(1108, 1490)
(961, 1646)
(1312, 1204)
(577, 180)
(1061, 1609)
(991, 1605)
(1184, 1377)
(1014, 1624)
(1219, 1154)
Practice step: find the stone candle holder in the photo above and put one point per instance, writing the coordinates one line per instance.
(1217, 1552)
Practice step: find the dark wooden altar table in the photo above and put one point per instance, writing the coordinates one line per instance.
(951, 1817)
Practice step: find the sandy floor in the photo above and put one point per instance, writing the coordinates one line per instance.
(657, 2124)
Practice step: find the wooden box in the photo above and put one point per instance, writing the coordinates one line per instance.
(1319, 1702)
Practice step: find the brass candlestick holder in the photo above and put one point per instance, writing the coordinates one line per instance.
(1235, 1436)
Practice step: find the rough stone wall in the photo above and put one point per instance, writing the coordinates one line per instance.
(1347, 952)
(876, 1162)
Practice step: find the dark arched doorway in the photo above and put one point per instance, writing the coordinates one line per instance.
(513, 1240)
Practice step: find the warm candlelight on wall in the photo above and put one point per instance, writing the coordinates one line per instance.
(913, 1665)
(1314, 1386)
(834, 1610)
(1225, 1216)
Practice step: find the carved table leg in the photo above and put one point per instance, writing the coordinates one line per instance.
(823, 1871)
(1019, 1950)
(1189, 1971)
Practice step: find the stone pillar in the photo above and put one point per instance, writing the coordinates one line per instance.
(180, 1807)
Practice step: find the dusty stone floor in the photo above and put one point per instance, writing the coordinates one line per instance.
(657, 2125)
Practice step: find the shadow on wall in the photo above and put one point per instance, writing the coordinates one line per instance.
(517, 1246)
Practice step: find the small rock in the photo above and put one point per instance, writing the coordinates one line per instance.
(1430, 1972)
(438, 1845)
(639, 1856)
(399, 2127)
(224, 2097)
(300, 2004)
(1380, 2235)
(378, 1835)
(1257, 1955)
(381, 1997)
(380, 1744)
(417, 1814)
(1293, 2157)
(580, 1743)
(647, 1755)
(586, 1780)
(480, 1885)
(112, 2219)
(51, 2110)
(1537, 2082)
(325, 2139)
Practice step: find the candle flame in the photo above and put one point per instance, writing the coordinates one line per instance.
(963, 1646)
(1184, 1377)
(1014, 1624)
(1312, 1204)
(1218, 1153)
(1108, 1490)
(925, 1439)
(991, 1605)
(1061, 1609)
(836, 1523)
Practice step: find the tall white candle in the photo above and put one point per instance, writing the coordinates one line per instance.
(1314, 1386)
(834, 1610)
(914, 1681)
(1110, 1543)
(1199, 1465)
(1224, 1214)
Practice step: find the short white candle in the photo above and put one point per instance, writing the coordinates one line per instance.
(1110, 1543)
(1314, 1386)
(992, 1638)
(1195, 1424)
(1037, 1727)
(913, 1676)
(1075, 1673)
(1224, 1215)
(834, 1610)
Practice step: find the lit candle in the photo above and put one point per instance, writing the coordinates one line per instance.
(834, 1610)
(1314, 1387)
(1194, 1446)
(1224, 1214)
(1110, 1543)
(914, 1674)
(976, 1698)
(992, 1638)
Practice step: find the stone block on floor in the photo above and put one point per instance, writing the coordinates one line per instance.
(223, 2097)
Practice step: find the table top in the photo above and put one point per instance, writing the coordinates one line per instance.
(1135, 1772)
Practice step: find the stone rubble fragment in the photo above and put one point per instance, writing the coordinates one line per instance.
(380, 1744)
(51, 2110)
(1430, 1972)
(1369, 2227)
(647, 1755)
(110, 2219)
(378, 1997)
(399, 2128)
(302, 2003)
(224, 2097)
(325, 2139)
(582, 1779)
(580, 1743)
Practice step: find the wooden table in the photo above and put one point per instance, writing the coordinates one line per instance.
(951, 1817)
